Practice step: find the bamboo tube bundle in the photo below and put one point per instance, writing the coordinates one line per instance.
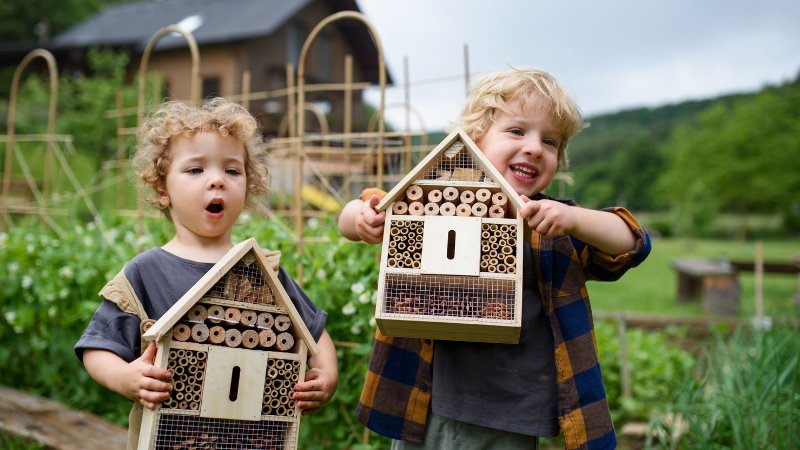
(463, 210)
(188, 369)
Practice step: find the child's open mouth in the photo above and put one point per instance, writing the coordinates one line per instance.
(215, 207)
(523, 172)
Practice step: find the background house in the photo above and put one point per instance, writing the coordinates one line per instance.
(260, 36)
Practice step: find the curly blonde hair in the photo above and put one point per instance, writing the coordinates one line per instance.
(495, 90)
(176, 119)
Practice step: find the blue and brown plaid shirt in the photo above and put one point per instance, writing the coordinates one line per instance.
(397, 390)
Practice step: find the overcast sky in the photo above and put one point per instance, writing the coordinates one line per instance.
(610, 54)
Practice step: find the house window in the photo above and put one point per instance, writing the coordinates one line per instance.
(211, 87)
(323, 58)
(294, 43)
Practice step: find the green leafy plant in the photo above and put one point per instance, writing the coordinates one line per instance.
(744, 395)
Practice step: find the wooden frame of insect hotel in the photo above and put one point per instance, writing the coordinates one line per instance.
(236, 346)
(451, 260)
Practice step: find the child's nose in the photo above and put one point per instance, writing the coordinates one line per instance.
(533, 146)
(216, 181)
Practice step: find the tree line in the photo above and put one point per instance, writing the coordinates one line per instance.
(735, 154)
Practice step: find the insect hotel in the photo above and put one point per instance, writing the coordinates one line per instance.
(236, 346)
(451, 261)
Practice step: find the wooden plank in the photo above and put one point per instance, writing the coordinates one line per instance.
(227, 368)
(448, 245)
(55, 425)
(452, 330)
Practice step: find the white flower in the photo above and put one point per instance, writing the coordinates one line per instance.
(13, 267)
(3, 238)
(357, 288)
(365, 298)
(349, 309)
(88, 241)
(10, 316)
(313, 223)
(355, 328)
(30, 248)
(63, 293)
(66, 272)
(52, 311)
(372, 322)
(27, 281)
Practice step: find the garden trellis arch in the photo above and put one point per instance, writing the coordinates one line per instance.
(43, 197)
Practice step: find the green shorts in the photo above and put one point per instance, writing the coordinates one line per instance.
(448, 434)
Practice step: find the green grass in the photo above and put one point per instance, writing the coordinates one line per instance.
(652, 287)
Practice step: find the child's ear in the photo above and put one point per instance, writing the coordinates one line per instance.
(163, 197)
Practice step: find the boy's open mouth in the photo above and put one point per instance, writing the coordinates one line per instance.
(522, 171)
(215, 207)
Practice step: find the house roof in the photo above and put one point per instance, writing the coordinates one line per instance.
(131, 25)
(470, 146)
(222, 267)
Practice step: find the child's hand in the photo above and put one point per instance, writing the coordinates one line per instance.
(145, 383)
(370, 222)
(549, 218)
(317, 389)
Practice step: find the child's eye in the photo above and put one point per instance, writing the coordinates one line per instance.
(195, 170)
(551, 142)
(516, 131)
(233, 171)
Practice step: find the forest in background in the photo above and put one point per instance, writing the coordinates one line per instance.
(696, 161)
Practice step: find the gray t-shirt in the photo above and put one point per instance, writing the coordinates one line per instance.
(502, 386)
(160, 279)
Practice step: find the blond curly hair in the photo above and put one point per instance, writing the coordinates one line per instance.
(495, 90)
(176, 119)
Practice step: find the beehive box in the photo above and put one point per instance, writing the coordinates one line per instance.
(236, 346)
(451, 260)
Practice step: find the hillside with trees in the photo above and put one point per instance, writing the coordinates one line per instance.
(737, 154)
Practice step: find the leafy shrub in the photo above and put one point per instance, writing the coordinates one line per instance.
(654, 364)
(746, 396)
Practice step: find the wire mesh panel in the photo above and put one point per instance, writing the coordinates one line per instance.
(456, 164)
(190, 431)
(244, 283)
(487, 300)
